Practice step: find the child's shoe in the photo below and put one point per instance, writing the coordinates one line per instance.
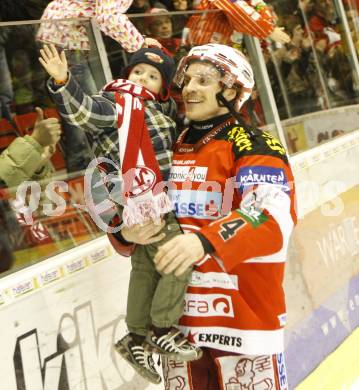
(173, 344)
(138, 358)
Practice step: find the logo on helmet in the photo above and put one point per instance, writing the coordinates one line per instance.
(154, 58)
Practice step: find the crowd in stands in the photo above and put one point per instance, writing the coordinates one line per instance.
(312, 72)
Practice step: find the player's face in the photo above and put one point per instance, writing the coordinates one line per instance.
(148, 76)
(201, 84)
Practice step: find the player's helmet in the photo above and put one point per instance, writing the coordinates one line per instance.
(231, 63)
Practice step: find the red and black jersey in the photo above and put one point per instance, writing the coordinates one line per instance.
(235, 187)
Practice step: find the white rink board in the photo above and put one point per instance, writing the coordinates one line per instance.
(66, 330)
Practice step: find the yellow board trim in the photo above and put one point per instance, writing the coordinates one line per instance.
(339, 371)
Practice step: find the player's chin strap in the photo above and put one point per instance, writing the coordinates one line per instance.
(222, 101)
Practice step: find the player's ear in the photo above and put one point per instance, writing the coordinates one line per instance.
(230, 93)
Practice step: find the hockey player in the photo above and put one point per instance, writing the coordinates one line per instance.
(237, 208)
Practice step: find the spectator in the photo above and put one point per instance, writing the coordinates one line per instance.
(6, 88)
(22, 76)
(299, 72)
(329, 46)
(305, 6)
(273, 59)
(8, 226)
(21, 9)
(27, 158)
(250, 17)
(139, 7)
(338, 75)
(180, 21)
(324, 19)
(160, 27)
(352, 11)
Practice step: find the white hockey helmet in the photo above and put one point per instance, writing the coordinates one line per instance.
(231, 63)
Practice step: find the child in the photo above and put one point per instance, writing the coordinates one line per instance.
(155, 302)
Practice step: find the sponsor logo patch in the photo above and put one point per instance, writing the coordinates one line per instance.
(208, 305)
(196, 204)
(255, 175)
(273, 143)
(282, 372)
(214, 279)
(220, 339)
(186, 173)
(240, 137)
(254, 217)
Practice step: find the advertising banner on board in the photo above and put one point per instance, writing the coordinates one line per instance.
(60, 336)
(322, 286)
(307, 131)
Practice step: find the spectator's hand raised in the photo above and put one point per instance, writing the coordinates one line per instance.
(54, 64)
(46, 155)
(279, 35)
(46, 131)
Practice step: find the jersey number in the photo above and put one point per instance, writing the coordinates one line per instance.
(229, 229)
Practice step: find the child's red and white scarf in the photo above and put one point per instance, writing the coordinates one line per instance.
(142, 190)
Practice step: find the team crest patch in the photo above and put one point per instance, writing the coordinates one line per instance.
(154, 58)
(175, 375)
(247, 372)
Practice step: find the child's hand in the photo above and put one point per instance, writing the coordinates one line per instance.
(54, 64)
(147, 233)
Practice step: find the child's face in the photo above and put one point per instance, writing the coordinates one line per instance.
(147, 76)
(180, 5)
(161, 27)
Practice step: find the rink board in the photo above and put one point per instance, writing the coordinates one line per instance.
(322, 273)
(60, 335)
(339, 371)
(306, 131)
